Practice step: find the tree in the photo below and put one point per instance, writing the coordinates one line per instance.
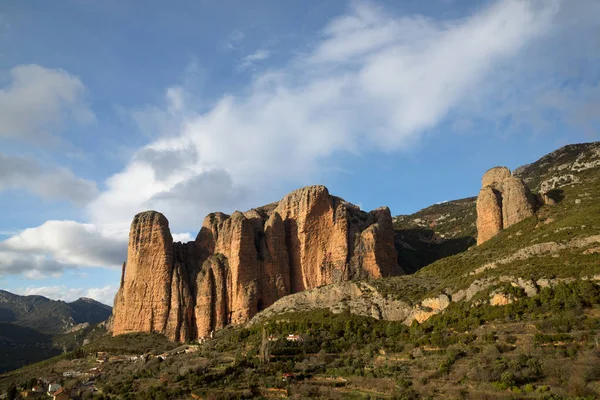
(265, 347)
(12, 392)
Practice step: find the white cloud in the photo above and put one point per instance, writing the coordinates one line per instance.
(48, 182)
(182, 237)
(38, 100)
(104, 294)
(372, 80)
(251, 59)
(55, 246)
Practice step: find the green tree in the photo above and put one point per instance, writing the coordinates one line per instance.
(12, 392)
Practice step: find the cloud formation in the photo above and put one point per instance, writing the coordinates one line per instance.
(55, 246)
(54, 183)
(38, 100)
(371, 81)
(250, 59)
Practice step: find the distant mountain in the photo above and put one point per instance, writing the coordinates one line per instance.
(50, 316)
(33, 328)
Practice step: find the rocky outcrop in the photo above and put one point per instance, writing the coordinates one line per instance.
(362, 298)
(154, 295)
(243, 263)
(356, 297)
(503, 200)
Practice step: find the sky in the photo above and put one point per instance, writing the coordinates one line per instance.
(189, 107)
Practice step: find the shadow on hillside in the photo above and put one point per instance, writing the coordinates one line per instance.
(557, 195)
(7, 315)
(419, 247)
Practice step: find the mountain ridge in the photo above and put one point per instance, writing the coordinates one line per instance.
(241, 263)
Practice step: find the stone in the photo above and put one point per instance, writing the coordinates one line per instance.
(158, 302)
(494, 176)
(546, 199)
(503, 201)
(489, 214)
(240, 264)
(517, 201)
(500, 299)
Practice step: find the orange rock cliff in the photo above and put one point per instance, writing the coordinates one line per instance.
(241, 264)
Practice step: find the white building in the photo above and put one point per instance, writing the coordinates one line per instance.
(53, 387)
(293, 338)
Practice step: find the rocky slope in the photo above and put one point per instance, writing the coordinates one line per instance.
(560, 168)
(242, 263)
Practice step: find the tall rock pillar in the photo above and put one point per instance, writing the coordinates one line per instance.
(503, 200)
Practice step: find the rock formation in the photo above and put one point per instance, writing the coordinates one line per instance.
(503, 201)
(241, 264)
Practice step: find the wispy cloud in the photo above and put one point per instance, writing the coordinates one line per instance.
(251, 59)
(56, 246)
(47, 182)
(373, 80)
(234, 39)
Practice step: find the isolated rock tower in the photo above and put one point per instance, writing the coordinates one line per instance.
(503, 201)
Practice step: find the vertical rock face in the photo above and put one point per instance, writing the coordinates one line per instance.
(242, 263)
(503, 200)
(158, 302)
(489, 214)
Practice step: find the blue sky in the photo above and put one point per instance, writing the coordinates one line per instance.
(188, 107)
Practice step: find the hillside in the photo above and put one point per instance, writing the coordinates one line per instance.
(34, 328)
(448, 228)
(435, 232)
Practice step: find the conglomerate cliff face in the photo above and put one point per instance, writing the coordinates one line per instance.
(503, 200)
(242, 263)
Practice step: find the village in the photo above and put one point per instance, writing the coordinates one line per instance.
(76, 379)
